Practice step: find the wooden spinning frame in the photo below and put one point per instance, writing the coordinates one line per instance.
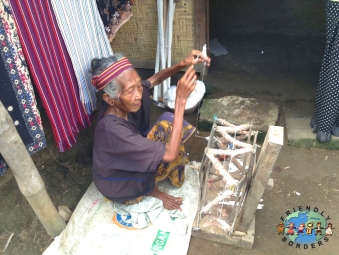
(234, 197)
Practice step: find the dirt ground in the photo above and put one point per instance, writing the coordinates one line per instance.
(283, 69)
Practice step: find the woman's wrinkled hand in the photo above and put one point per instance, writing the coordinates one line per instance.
(195, 57)
(186, 84)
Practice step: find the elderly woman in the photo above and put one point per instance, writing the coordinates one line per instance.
(129, 157)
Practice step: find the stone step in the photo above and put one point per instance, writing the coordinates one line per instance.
(300, 134)
(238, 110)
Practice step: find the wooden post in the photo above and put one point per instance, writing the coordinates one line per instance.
(27, 176)
(169, 38)
(201, 29)
(269, 153)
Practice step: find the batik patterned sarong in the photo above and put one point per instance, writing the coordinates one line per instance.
(161, 131)
(114, 14)
(16, 90)
(174, 171)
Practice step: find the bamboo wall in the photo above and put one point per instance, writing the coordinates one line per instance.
(137, 38)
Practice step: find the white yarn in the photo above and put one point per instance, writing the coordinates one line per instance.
(170, 96)
(193, 99)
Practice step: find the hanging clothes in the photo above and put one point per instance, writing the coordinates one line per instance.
(51, 69)
(16, 90)
(85, 38)
(114, 14)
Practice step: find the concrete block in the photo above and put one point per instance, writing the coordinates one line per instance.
(238, 110)
(64, 212)
(300, 134)
(270, 184)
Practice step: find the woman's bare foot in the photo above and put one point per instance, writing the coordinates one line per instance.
(170, 202)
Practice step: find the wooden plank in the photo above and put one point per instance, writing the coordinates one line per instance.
(207, 32)
(201, 23)
(245, 242)
(143, 63)
(149, 64)
(269, 153)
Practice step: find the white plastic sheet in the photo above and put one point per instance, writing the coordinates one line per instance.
(193, 99)
(216, 48)
(95, 229)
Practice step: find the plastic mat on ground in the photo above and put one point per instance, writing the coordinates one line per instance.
(95, 228)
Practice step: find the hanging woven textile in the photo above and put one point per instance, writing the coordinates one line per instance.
(85, 38)
(51, 69)
(16, 90)
(114, 14)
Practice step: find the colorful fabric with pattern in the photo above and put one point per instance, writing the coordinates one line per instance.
(160, 131)
(174, 171)
(114, 14)
(16, 90)
(51, 69)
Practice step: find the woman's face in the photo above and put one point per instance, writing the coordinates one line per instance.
(131, 91)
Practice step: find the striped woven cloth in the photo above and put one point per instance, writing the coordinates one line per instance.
(51, 69)
(85, 37)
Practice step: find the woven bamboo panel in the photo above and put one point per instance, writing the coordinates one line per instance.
(137, 39)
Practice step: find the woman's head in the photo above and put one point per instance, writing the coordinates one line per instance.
(119, 81)
(99, 65)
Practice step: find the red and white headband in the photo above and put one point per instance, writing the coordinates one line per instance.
(101, 81)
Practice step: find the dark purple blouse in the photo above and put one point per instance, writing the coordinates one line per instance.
(123, 160)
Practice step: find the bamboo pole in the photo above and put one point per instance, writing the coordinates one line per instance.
(225, 194)
(234, 141)
(230, 181)
(204, 173)
(231, 153)
(169, 37)
(248, 141)
(156, 69)
(232, 130)
(27, 176)
(161, 39)
(225, 123)
(157, 89)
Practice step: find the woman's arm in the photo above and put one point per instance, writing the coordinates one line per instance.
(191, 59)
(184, 88)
